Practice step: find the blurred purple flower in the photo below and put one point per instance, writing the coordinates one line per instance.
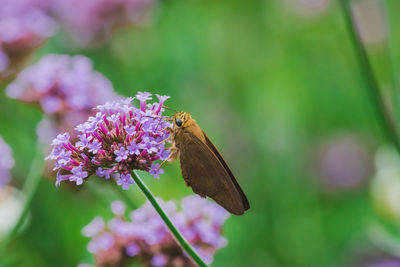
(94, 228)
(118, 208)
(373, 257)
(343, 163)
(6, 162)
(308, 7)
(4, 61)
(61, 83)
(101, 242)
(24, 25)
(93, 20)
(147, 240)
(385, 263)
(370, 21)
(159, 260)
(132, 250)
(104, 147)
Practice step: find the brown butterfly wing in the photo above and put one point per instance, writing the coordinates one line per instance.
(204, 172)
(246, 203)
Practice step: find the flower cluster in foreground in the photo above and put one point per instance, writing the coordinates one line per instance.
(120, 138)
(6, 162)
(62, 83)
(147, 240)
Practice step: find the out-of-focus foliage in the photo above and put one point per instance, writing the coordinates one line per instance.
(274, 84)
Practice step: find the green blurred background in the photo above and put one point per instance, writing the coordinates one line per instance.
(269, 82)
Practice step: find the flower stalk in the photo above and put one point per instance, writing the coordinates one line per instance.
(390, 55)
(178, 236)
(376, 97)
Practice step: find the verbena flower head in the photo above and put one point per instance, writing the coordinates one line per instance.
(61, 83)
(24, 25)
(145, 238)
(120, 138)
(6, 162)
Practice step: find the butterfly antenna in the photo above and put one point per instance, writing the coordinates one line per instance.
(158, 117)
(170, 108)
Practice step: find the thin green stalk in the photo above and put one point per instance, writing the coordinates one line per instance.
(384, 116)
(390, 59)
(30, 187)
(178, 236)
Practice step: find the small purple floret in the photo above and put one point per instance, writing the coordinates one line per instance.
(133, 149)
(84, 141)
(125, 180)
(94, 146)
(143, 97)
(122, 154)
(102, 173)
(155, 171)
(78, 175)
(130, 130)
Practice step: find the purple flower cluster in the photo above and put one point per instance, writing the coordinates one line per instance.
(6, 162)
(147, 240)
(117, 140)
(93, 20)
(61, 83)
(24, 25)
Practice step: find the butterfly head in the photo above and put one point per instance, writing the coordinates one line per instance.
(181, 119)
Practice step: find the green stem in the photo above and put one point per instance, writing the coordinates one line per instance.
(30, 187)
(386, 15)
(181, 240)
(376, 97)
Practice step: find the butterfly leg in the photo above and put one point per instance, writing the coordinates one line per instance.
(172, 156)
(174, 153)
(169, 129)
(166, 139)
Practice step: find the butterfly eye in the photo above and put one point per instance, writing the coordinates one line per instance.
(178, 122)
